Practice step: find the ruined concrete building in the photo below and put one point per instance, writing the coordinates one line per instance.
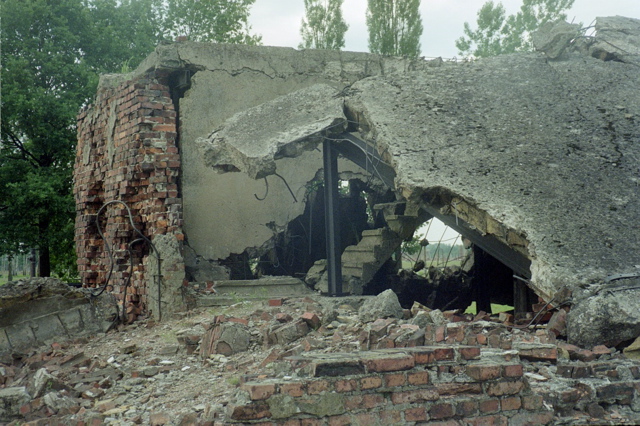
(231, 160)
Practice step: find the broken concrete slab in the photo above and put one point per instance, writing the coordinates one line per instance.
(617, 39)
(285, 127)
(384, 305)
(39, 310)
(225, 80)
(553, 38)
(548, 169)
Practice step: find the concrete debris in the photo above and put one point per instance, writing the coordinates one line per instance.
(286, 127)
(607, 314)
(553, 38)
(44, 382)
(199, 269)
(384, 305)
(530, 159)
(340, 371)
(225, 338)
(617, 39)
(11, 399)
(36, 311)
(316, 274)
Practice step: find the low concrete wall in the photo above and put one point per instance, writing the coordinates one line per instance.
(38, 311)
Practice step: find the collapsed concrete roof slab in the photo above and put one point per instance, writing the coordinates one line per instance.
(273, 63)
(284, 127)
(538, 155)
(617, 39)
(542, 155)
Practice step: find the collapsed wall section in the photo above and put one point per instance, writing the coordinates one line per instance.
(127, 151)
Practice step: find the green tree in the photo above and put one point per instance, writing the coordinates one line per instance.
(123, 33)
(219, 21)
(44, 82)
(394, 27)
(498, 34)
(324, 26)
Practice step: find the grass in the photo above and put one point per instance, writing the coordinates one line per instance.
(4, 280)
(452, 262)
(495, 308)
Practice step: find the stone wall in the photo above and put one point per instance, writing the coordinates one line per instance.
(127, 151)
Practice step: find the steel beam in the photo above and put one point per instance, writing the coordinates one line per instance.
(519, 263)
(332, 217)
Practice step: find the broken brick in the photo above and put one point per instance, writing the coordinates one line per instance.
(311, 319)
(441, 410)
(504, 387)
(482, 372)
(259, 391)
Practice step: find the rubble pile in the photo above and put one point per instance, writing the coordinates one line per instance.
(316, 360)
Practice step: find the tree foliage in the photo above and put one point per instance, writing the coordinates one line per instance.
(220, 21)
(395, 27)
(52, 54)
(44, 83)
(498, 34)
(323, 26)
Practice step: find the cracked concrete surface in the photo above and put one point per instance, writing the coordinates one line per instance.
(227, 80)
(285, 127)
(552, 158)
(540, 154)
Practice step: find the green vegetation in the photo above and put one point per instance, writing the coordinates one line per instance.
(394, 27)
(4, 278)
(219, 21)
(233, 381)
(495, 308)
(498, 34)
(323, 26)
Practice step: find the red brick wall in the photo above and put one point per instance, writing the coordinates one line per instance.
(126, 151)
(420, 384)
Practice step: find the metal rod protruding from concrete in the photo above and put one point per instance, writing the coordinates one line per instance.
(332, 218)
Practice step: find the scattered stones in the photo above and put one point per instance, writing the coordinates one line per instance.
(225, 338)
(450, 360)
(384, 305)
(11, 401)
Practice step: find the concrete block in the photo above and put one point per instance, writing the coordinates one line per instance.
(20, 335)
(11, 399)
(49, 327)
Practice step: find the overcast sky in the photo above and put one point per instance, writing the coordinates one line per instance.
(278, 21)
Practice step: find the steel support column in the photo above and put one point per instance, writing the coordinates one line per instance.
(332, 218)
